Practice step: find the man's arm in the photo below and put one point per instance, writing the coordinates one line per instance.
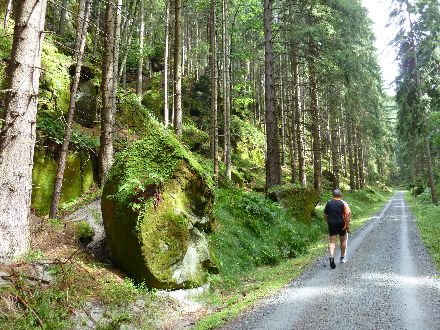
(347, 216)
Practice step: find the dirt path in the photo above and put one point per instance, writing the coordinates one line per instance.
(389, 282)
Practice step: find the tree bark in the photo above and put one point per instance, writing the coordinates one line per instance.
(126, 39)
(97, 29)
(226, 96)
(434, 196)
(178, 67)
(141, 50)
(273, 164)
(17, 133)
(355, 156)
(314, 111)
(350, 146)
(109, 86)
(334, 144)
(81, 35)
(283, 117)
(63, 12)
(7, 13)
(213, 70)
(166, 110)
(361, 169)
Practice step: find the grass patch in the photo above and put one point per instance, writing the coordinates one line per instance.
(260, 249)
(427, 218)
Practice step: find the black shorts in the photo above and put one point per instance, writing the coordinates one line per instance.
(336, 229)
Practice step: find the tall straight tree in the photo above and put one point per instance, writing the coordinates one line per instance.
(213, 69)
(109, 84)
(17, 133)
(178, 66)
(226, 96)
(63, 13)
(315, 118)
(166, 107)
(81, 36)
(273, 163)
(141, 50)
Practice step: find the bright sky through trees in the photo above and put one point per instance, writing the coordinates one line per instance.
(379, 12)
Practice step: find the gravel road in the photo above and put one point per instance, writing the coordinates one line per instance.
(389, 282)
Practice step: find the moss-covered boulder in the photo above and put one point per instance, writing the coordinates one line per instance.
(156, 206)
(78, 178)
(299, 201)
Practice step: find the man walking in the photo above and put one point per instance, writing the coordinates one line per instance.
(337, 214)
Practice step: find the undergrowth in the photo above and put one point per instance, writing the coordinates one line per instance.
(255, 231)
(427, 218)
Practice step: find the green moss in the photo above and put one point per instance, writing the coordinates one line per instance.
(151, 196)
(248, 141)
(299, 201)
(54, 92)
(87, 175)
(72, 178)
(195, 139)
(43, 180)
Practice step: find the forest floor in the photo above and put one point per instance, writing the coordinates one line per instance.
(390, 281)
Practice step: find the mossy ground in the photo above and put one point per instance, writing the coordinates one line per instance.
(427, 218)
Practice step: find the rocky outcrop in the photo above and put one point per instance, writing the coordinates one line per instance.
(79, 177)
(156, 206)
(299, 201)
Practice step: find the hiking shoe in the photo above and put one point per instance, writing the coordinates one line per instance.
(332, 262)
(343, 260)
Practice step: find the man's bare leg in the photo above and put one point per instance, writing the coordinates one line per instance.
(343, 240)
(332, 245)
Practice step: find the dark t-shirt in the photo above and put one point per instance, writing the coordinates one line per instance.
(335, 210)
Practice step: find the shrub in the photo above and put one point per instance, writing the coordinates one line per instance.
(254, 231)
(84, 232)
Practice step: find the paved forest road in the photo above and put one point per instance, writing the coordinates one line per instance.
(389, 282)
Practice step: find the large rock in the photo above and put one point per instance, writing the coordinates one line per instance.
(156, 206)
(78, 178)
(299, 201)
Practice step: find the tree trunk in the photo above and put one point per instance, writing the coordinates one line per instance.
(81, 34)
(282, 116)
(63, 12)
(334, 144)
(141, 50)
(434, 195)
(350, 147)
(109, 87)
(226, 97)
(273, 164)
(127, 41)
(166, 111)
(17, 134)
(361, 170)
(355, 156)
(7, 13)
(178, 67)
(97, 29)
(314, 111)
(213, 70)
